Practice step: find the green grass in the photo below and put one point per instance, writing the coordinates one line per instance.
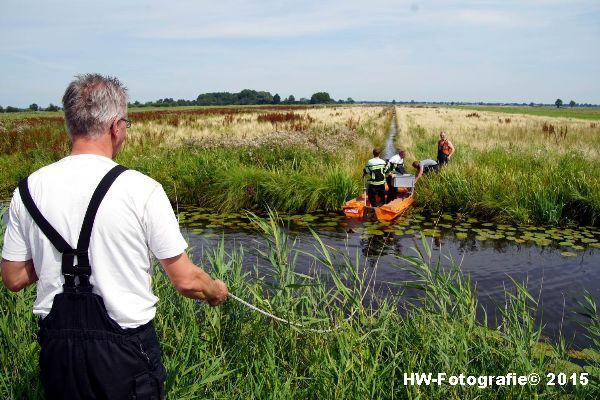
(516, 187)
(511, 181)
(564, 112)
(284, 177)
(232, 352)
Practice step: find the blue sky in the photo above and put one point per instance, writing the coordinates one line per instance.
(481, 50)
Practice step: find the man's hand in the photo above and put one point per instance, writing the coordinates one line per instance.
(219, 294)
(191, 281)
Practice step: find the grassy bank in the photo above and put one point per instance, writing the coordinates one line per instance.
(233, 352)
(295, 158)
(517, 168)
(520, 169)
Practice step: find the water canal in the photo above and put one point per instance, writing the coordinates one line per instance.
(557, 264)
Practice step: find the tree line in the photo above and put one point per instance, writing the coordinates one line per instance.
(32, 107)
(245, 97)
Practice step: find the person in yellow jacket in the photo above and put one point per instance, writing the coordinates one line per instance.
(376, 170)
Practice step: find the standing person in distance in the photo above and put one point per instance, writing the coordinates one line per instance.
(376, 170)
(445, 149)
(95, 299)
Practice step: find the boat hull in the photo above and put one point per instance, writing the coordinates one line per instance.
(355, 208)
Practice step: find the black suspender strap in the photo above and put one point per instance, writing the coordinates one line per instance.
(88, 221)
(54, 237)
(83, 268)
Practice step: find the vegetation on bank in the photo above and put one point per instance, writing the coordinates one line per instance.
(233, 352)
(517, 168)
(522, 169)
(297, 159)
(590, 113)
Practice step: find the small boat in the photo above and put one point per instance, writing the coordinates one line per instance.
(360, 207)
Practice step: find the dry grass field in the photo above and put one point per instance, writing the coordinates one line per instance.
(481, 131)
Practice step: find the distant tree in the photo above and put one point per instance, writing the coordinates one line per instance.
(532, 104)
(320, 98)
(394, 101)
(350, 100)
(34, 107)
(340, 101)
(52, 107)
(291, 99)
(558, 103)
(10, 109)
(247, 96)
(276, 99)
(303, 100)
(572, 103)
(1, 109)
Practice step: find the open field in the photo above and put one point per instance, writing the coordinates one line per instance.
(563, 112)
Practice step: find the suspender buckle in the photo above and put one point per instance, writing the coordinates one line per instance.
(82, 267)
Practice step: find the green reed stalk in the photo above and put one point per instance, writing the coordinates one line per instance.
(232, 352)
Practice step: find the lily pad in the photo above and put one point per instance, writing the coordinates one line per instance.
(568, 254)
(461, 235)
(431, 232)
(543, 242)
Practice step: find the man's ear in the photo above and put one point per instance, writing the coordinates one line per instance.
(114, 128)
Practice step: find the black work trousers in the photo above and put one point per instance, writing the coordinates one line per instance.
(392, 190)
(375, 191)
(85, 354)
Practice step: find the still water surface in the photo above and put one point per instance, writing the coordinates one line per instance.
(557, 264)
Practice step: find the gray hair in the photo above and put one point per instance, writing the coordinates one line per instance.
(91, 104)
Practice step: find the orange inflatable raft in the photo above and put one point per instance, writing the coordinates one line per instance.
(357, 207)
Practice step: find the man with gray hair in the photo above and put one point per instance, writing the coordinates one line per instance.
(94, 299)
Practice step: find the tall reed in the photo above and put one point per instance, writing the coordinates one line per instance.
(231, 351)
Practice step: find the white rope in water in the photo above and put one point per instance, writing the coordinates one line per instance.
(303, 327)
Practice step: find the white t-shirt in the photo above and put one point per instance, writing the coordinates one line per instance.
(134, 218)
(396, 159)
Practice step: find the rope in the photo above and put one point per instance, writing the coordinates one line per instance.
(300, 326)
